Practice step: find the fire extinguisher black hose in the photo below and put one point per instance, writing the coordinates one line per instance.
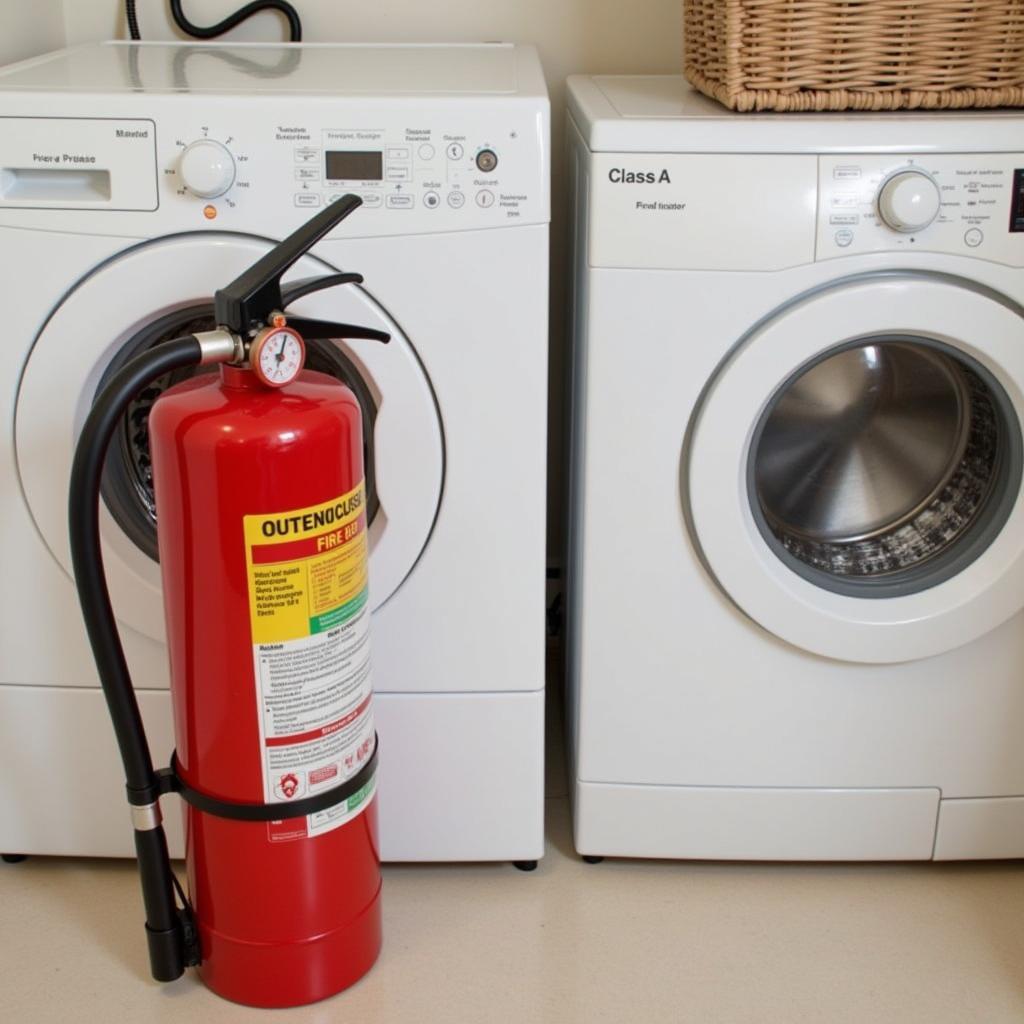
(165, 924)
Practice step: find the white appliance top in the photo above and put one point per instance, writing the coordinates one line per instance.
(327, 68)
(665, 114)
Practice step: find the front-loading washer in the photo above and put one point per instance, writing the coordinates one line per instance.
(137, 178)
(797, 528)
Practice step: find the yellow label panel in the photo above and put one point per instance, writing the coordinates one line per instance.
(307, 568)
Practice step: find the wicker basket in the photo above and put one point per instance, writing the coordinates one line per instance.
(856, 54)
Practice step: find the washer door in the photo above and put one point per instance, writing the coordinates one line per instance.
(853, 476)
(151, 291)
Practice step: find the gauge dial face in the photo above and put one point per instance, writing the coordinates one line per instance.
(277, 356)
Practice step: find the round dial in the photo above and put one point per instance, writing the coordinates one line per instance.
(207, 168)
(909, 201)
(487, 160)
(277, 355)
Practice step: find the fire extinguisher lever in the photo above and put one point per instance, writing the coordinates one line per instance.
(312, 329)
(300, 289)
(247, 303)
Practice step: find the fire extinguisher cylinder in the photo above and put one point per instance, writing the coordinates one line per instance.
(263, 551)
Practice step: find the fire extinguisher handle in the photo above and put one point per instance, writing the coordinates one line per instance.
(247, 303)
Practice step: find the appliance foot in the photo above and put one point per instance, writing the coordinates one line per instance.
(525, 865)
(589, 858)
(13, 858)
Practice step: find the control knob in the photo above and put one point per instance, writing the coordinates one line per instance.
(207, 168)
(909, 201)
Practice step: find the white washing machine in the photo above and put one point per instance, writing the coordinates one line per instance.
(136, 179)
(798, 533)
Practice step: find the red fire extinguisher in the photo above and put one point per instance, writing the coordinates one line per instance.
(261, 507)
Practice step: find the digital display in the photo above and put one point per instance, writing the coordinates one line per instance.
(1017, 201)
(353, 165)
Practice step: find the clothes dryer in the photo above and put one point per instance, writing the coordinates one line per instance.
(797, 564)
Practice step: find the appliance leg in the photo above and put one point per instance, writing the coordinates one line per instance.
(525, 865)
(589, 858)
(12, 858)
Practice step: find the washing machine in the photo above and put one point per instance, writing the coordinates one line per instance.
(797, 546)
(137, 178)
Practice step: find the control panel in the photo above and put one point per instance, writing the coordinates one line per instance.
(417, 170)
(738, 211)
(962, 204)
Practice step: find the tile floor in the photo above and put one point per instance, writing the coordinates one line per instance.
(619, 941)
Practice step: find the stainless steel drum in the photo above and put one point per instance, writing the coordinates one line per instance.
(878, 459)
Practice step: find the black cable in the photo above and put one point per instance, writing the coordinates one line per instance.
(180, 891)
(133, 19)
(233, 20)
(164, 923)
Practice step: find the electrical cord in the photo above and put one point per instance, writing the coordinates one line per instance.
(168, 929)
(232, 20)
(228, 23)
(133, 19)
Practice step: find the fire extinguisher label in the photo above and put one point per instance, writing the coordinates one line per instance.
(310, 620)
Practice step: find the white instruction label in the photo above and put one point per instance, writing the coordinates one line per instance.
(310, 622)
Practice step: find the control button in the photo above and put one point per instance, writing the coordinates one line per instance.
(371, 200)
(456, 200)
(431, 200)
(207, 169)
(306, 155)
(426, 151)
(846, 172)
(455, 151)
(398, 173)
(974, 238)
(307, 173)
(487, 160)
(307, 199)
(485, 198)
(844, 218)
(909, 201)
(398, 153)
(846, 199)
(844, 237)
(399, 202)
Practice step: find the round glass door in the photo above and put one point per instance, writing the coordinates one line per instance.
(883, 466)
(109, 316)
(852, 475)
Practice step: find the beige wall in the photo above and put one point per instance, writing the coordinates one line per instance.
(629, 36)
(29, 28)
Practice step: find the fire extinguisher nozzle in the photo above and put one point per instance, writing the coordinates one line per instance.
(165, 960)
(168, 935)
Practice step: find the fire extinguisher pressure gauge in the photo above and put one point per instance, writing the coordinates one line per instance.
(277, 354)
